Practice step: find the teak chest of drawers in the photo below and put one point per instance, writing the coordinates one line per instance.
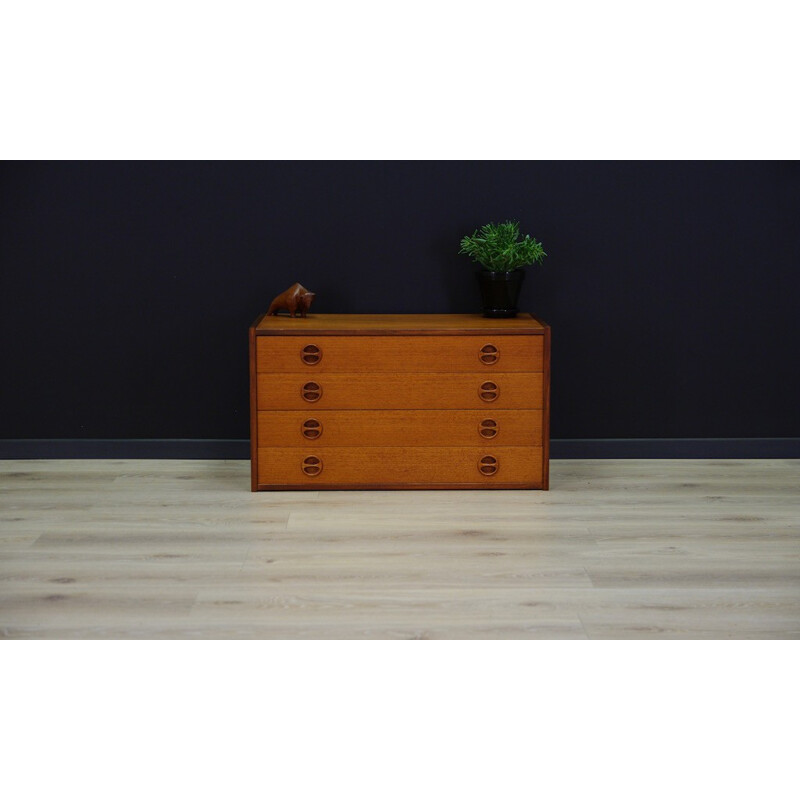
(399, 401)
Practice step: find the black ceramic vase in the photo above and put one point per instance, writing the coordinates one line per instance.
(500, 291)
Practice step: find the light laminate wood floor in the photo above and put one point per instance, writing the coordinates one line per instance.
(182, 549)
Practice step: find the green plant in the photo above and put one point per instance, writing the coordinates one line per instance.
(498, 248)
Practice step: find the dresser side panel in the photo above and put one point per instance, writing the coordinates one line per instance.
(546, 413)
(253, 409)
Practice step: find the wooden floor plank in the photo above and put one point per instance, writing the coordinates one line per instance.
(94, 549)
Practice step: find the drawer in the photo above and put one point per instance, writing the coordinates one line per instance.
(501, 427)
(398, 467)
(400, 391)
(317, 354)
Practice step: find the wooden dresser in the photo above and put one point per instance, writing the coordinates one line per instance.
(399, 401)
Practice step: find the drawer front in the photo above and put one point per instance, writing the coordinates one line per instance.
(500, 427)
(319, 354)
(307, 467)
(399, 391)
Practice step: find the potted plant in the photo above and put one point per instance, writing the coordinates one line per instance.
(502, 254)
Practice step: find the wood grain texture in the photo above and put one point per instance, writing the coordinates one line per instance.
(383, 369)
(282, 354)
(432, 428)
(253, 360)
(392, 324)
(404, 466)
(617, 549)
(546, 410)
(400, 391)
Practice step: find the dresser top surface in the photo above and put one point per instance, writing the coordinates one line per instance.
(407, 324)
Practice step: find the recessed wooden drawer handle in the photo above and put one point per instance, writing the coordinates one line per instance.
(312, 465)
(311, 354)
(488, 465)
(311, 392)
(488, 391)
(488, 429)
(312, 429)
(489, 354)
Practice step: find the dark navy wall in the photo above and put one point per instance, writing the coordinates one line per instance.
(126, 289)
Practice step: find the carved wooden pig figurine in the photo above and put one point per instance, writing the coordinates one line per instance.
(295, 299)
